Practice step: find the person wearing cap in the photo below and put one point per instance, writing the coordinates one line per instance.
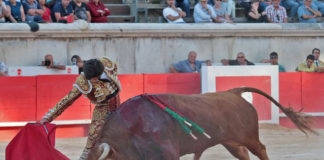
(100, 84)
(204, 13)
(307, 66)
(274, 61)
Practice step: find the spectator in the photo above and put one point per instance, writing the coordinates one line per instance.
(276, 13)
(316, 53)
(240, 60)
(255, 15)
(33, 11)
(307, 13)
(46, 16)
(292, 5)
(3, 11)
(15, 11)
(274, 61)
(3, 69)
(81, 10)
(173, 14)
(62, 12)
(307, 66)
(320, 5)
(185, 5)
(189, 65)
(76, 60)
(50, 64)
(98, 11)
(204, 12)
(221, 14)
(230, 8)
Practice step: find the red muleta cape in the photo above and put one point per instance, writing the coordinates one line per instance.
(34, 142)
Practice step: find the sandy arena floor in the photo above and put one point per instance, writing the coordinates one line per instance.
(281, 143)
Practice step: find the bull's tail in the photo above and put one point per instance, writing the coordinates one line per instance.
(302, 121)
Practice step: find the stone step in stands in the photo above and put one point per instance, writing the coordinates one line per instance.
(120, 13)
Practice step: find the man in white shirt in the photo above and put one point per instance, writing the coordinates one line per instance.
(173, 14)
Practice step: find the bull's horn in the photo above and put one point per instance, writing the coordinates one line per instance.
(104, 147)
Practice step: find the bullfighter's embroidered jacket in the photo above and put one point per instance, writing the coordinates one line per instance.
(98, 93)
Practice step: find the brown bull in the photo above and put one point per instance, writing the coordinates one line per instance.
(140, 130)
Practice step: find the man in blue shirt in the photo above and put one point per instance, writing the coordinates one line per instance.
(204, 13)
(33, 11)
(61, 10)
(307, 13)
(190, 65)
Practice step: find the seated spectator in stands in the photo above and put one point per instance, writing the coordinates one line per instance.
(185, 5)
(276, 13)
(98, 11)
(15, 11)
(255, 15)
(307, 66)
(316, 53)
(292, 5)
(204, 13)
(3, 69)
(221, 14)
(307, 13)
(76, 60)
(173, 14)
(320, 5)
(189, 65)
(62, 12)
(3, 11)
(46, 16)
(50, 64)
(81, 10)
(230, 8)
(274, 61)
(33, 11)
(240, 60)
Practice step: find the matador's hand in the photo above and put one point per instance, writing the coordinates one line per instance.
(43, 120)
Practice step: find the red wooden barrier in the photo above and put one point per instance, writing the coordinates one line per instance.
(29, 98)
(312, 92)
(17, 99)
(181, 83)
(290, 90)
(51, 89)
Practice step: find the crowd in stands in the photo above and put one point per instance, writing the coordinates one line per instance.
(256, 11)
(47, 11)
(312, 63)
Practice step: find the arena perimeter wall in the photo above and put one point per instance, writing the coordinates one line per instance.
(27, 99)
(152, 48)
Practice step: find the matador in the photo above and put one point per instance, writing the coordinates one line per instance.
(100, 84)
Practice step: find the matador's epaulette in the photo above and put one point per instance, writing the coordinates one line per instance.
(82, 84)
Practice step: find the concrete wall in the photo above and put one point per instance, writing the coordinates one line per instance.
(152, 48)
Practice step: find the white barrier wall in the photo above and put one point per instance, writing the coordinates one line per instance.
(40, 70)
(152, 48)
